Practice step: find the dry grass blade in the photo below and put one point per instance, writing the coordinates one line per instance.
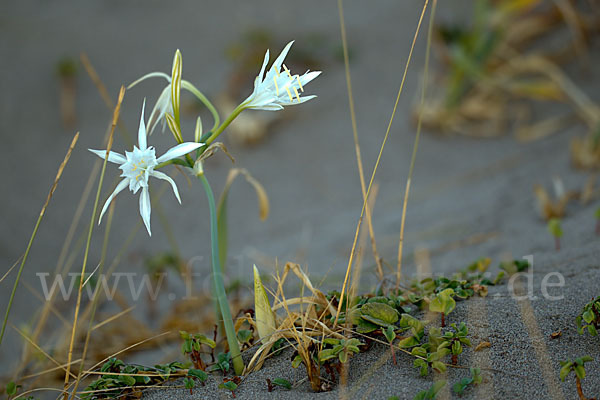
(11, 268)
(35, 229)
(47, 371)
(38, 348)
(359, 162)
(352, 251)
(263, 199)
(89, 236)
(111, 319)
(89, 68)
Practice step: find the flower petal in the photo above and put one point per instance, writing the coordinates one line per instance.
(167, 178)
(122, 185)
(112, 156)
(261, 75)
(282, 56)
(309, 76)
(150, 75)
(160, 108)
(178, 151)
(145, 209)
(142, 130)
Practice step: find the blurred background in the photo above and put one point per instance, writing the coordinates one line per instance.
(511, 103)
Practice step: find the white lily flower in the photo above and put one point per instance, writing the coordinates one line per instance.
(138, 166)
(278, 87)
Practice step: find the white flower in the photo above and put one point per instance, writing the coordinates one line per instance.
(138, 165)
(278, 88)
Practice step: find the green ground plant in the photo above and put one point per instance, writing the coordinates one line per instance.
(589, 319)
(576, 366)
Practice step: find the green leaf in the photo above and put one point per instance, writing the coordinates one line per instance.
(265, 318)
(422, 365)
(580, 371)
(364, 326)
(198, 373)
(11, 389)
(439, 366)
(456, 348)
(554, 227)
(189, 383)
(565, 370)
(592, 330)
(443, 302)
(229, 385)
(588, 316)
(127, 380)
(343, 356)
(379, 314)
(409, 342)
(284, 383)
(296, 361)
(419, 351)
(327, 354)
(244, 335)
(389, 333)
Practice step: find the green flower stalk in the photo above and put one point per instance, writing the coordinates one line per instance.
(219, 286)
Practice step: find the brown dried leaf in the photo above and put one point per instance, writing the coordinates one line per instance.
(483, 345)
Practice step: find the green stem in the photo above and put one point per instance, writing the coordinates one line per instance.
(226, 123)
(219, 286)
(191, 88)
(177, 161)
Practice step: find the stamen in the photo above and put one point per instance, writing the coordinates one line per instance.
(276, 87)
(287, 70)
(297, 95)
(289, 93)
(276, 71)
(300, 84)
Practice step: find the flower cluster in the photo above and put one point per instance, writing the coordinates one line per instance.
(273, 89)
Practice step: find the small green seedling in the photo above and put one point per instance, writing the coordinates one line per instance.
(341, 349)
(191, 346)
(555, 230)
(589, 318)
(577, 366)
(475, 379)
(454, 341)
(229, 385)
(597, 215)
(443, 303)
(432, 392)
(11, 389)
(283, 383)
(189, 384)
(426, 360)
(390, 335)
(198, 374)
(222, 364)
